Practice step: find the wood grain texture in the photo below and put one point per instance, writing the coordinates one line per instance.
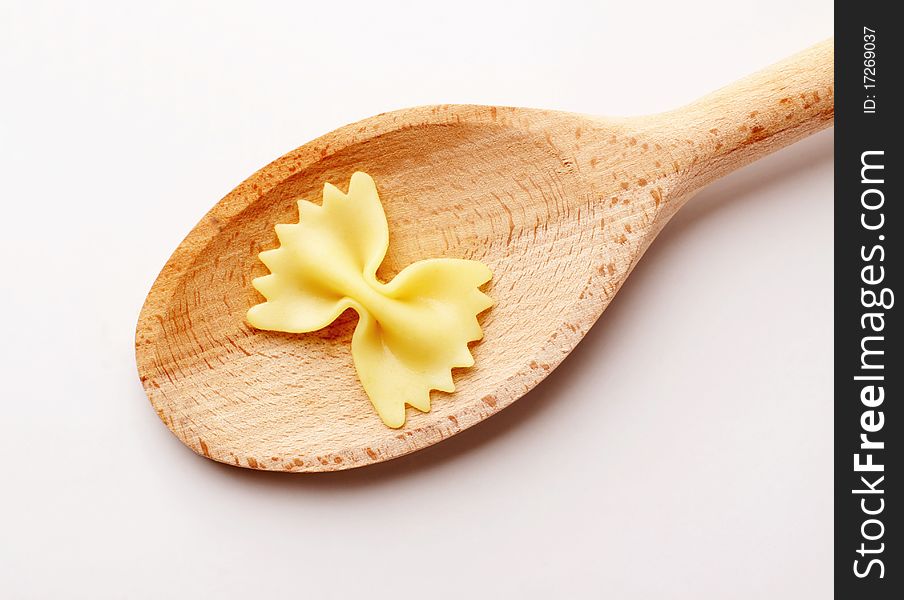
(560, 206)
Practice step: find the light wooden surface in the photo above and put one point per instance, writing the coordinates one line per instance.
(560, 206)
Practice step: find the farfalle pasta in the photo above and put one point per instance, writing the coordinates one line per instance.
(411, 331)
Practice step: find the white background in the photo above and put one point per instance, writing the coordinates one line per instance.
(704, 394)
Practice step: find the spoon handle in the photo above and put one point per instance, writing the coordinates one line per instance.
(755, 116)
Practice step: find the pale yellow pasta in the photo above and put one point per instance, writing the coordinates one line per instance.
(411, 331)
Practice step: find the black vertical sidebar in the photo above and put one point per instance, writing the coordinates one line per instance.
(869, 370)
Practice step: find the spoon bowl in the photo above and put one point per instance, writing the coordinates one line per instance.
(560, 206)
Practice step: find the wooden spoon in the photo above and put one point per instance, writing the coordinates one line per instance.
(560, 206)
